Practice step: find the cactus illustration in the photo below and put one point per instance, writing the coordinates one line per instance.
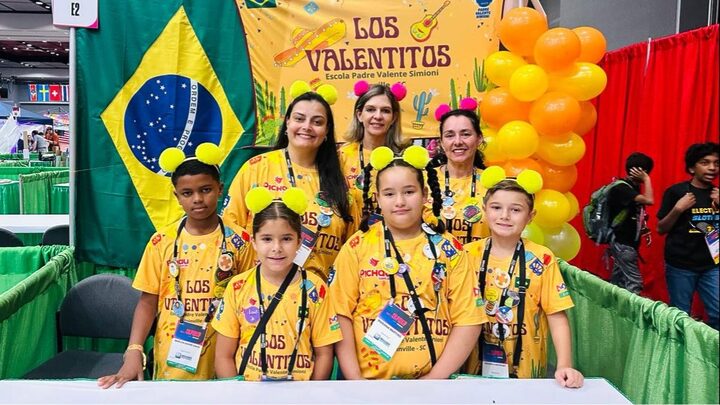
(283, 106)
(453, 95)
(420, 102)
(467, 90)
(479, 79)
(260, 100)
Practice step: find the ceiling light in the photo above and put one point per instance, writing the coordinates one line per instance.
(15, 49)
(39, 3)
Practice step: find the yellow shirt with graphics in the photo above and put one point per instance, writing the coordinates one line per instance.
(546, 294)
(461, 188)
(270, 170)
(349, 155)
(359, 289)
(197, 260)
(239, 315)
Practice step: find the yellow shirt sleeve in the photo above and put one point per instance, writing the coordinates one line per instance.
(554, 295)
(225, 321)
(345, 283)
(464, 299)
(235, 211)
(147, 278)
(326, 329)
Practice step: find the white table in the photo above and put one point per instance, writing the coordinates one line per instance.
(32, 223)
(487, 391)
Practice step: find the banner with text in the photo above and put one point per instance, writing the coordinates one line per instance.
(436, 47)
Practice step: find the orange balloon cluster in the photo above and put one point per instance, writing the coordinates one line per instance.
(538, 112)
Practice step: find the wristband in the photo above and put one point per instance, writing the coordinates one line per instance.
(142, 351)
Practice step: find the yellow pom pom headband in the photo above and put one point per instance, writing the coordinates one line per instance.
(259, 198)
(416, 156)
(326, 91)
(530, 180)
(207, 153)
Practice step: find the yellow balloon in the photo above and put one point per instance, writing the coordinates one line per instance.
(564, 241)
(528, 83)
(518, 139)
(500, 65)
(574, 205)
(552, 208)
(534, 233)
(562, 153)
(491, 151)
(584, 82)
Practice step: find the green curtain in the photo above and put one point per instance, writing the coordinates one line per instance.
(60, 199)
(9, 197)
(16, 156)
(13, 163)
(33, 283)
(13, 173)
(653, 353)
(36, 188)
(30, 239)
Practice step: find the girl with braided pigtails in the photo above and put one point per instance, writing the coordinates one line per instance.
(406, 300)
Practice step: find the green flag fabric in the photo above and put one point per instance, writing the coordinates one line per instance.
(157, 74)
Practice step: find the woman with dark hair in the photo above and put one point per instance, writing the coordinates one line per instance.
(304, 157)
(459, 164)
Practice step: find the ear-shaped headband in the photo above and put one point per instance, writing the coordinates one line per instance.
(416, 156)
(207, 153)
(467, 103)
(398, 89)
(259, 198)
(326, 91)
(530, 180)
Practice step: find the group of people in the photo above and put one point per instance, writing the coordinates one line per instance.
(690, 216)
(395, 264)
(39, 142)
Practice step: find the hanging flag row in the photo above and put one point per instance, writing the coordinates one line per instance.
(48, 92)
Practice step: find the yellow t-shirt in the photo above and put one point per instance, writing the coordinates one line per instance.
(239, 314)
(197, 260)
(359, 289)
(270, 170)
(349, 155)
(546, 294)
(461, 194)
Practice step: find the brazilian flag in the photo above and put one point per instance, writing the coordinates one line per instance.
(157, 74)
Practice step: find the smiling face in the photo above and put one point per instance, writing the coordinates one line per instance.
(400, 198)
(459, 139)
(307, 125)
(507, 213)
(376, 116)
(276, 244)
(198, 195)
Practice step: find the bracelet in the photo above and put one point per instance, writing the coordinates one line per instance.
(142, 351)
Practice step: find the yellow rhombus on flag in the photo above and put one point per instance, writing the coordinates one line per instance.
(174, 99)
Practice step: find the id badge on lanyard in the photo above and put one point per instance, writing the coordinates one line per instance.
(186, 346)
(494, 362)
(388, 330)
(713, 244)
(308, 239)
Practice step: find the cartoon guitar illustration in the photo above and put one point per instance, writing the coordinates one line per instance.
(420, 31)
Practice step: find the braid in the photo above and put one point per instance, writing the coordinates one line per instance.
(367, 200)
(439, 160)
(479, 160)
(434, 184)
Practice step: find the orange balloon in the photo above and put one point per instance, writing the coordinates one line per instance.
(583, 81)
(561, 153)
(558, 178)
(554, 113)
(520, 28)
(588, 118)
(557, 49)
(499, 107)
(514, 167)
(592, 44)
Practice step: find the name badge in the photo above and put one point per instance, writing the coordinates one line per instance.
(307, 242)
(494, 362)
(186, 346)
(712, 240)
(388, 331)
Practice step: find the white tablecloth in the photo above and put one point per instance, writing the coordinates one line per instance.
(32, 223)
(484, 391)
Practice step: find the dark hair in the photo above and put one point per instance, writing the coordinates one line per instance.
(441, 158)
(509, 185)
(697, 151)
(432, 182)
(277, 210)
(332, 180)
(639, 160)
(393, 139)
(192, 167)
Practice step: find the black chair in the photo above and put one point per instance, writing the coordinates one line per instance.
(101, 306)
(9, 239)
(56, 235)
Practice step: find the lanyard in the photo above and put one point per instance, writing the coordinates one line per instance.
(518, 254)
(265, 315)
(326, 210)
(449, 193)
(419, 310)
(290, 173)
(362, 159)
(220, 275)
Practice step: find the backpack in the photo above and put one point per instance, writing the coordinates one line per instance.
(596, 215)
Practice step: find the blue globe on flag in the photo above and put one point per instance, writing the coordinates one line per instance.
(170, 111)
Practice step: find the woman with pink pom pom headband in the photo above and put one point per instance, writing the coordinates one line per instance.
(460, 164)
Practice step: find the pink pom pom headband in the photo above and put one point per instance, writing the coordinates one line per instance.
(398, 89)
(467, 103)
